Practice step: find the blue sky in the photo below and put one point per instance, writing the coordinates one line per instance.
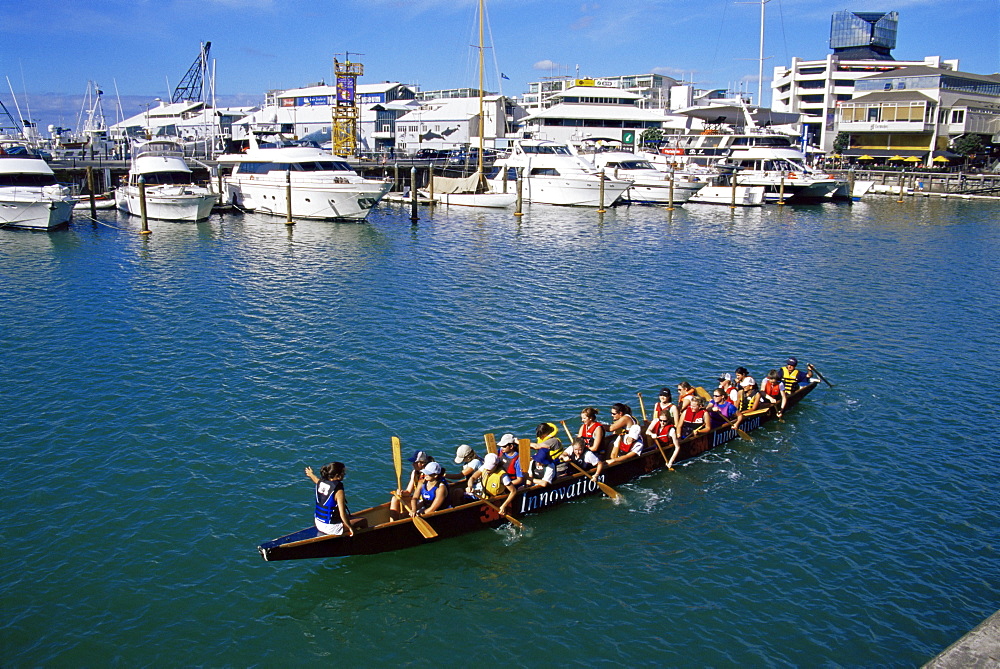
(49, 49)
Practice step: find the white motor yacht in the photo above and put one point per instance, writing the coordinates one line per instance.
(648, 184)
(170, 192)
(553, 174)
(322, 185)
(784, 175)
(29, 194)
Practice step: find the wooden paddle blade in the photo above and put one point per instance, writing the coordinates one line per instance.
(511, 519)
(605, 488)
(397, 461)
(524, 454)
(424, 527)
(703, 394)
(642, 406)
(491, 443)
(743, 435)
(569, 434)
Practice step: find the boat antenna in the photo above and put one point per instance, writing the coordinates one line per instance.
(13, 97)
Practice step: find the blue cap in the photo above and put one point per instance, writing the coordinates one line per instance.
(419, 456)
(792, 361)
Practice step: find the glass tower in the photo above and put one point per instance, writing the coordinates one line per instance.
(864, 35)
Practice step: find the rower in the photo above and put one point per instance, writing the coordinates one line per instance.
(684, 394)
(694, 419)
(591, 431)
(491, 480)
(621, 420)
(771, 391)
(583, 457)
(432, 492)
(467, 459)
(401, 498)
(629, 445)
(720, 409)
(510, 458)
(547, 448)
(748, 400)
(791, 379)
(664, 428)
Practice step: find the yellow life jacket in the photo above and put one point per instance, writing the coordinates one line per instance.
(493, 484)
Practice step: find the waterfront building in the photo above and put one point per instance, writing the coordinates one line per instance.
(914, 113)
(655, 91)
(201, 128)
(453, 123)
(861, 43)
(307, 112)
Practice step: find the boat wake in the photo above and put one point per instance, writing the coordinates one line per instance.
(510, 534)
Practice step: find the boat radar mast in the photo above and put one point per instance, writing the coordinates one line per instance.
(344, 124)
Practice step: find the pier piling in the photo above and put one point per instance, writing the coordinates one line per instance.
(142, 206)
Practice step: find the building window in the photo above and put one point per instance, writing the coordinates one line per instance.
(957, 115)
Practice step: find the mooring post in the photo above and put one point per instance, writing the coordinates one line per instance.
(142, 206)
(413, 195)
(520, 192)
(600, 208)
(90, 187)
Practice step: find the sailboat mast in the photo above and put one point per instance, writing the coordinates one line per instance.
(760, 65)
(482, 120)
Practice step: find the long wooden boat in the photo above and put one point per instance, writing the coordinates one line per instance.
(383, 534)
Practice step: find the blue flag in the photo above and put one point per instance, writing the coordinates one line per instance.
(504, 76)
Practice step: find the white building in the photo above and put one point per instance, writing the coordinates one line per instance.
(655, 90)
(453, 123)
(302, 112)
(189, 121)
(913, 113)
(861, 44)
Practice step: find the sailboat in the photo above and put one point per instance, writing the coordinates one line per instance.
(473, 191)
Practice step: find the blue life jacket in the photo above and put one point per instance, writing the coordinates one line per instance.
(326, 501)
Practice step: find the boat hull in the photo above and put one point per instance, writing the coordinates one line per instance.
(35, 212)
(659, 192)
(746, 196)
(384, 535)
(173, 204)
(487, 200)
(568, 192)
(330, 201)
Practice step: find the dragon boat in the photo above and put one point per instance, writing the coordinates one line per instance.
(384, 534)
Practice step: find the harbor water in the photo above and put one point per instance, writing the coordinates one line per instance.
(163, 393)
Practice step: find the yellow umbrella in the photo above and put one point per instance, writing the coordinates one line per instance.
(865, 157)
(940, 159)
(912, 159)
(896, 158)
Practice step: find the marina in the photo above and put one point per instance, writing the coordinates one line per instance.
(187, 388)
(375, 267)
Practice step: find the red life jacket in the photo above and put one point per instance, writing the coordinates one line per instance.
(588, 433)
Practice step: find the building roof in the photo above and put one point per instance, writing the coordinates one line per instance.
(447, 109)
(608, 92)
(598, 111)
(326, 89)
(892, 96)
(924, 70)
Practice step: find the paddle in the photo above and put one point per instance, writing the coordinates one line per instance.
(422, 525)
(397, 460)
(509, 517)
(821, 377)
(703, 394)
(524, 455)
(666, 460)
(491, 442)
(605, 488)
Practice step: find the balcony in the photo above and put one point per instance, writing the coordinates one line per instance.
(885, 126)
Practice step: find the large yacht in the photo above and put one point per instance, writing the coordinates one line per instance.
(29, 194)
(553, 174)
(170, 191)
(648, 185)
(735, 141)
(322, 184)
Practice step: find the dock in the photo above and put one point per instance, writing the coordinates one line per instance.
(979, 649)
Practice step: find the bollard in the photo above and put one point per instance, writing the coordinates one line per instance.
(505, 180)
(430, 184)
(219, 172)
(142, 206)
(288, 197)
(600, 207)
(413, 195)
(395, 177)
(732, 200)
(850, 183)
(670, 193)
(90, 187)
(520, 192)
(900, 188)
(781, 192)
